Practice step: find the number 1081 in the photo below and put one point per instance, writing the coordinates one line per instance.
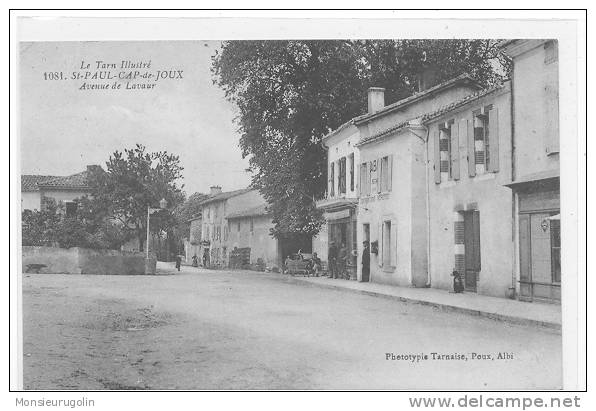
(53, 75)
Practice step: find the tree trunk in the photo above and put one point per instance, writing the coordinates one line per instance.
(141, 242)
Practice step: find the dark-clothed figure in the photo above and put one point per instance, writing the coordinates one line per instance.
(195, 261)
(316, 264)
(365, 262)
(342, 261)
(205, 258)
(332, 257)
(178, 262)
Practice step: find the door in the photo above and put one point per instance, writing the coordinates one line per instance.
(472, 249)
(366, 259)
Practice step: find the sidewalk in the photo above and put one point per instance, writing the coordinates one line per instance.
(502, 309)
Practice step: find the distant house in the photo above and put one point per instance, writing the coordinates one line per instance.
(251, 229)
(36, 189)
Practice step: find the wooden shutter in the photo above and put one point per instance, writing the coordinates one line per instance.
(471, 150)
(394, 243)
(379, 174)
(476, 239)
(525, 268)
(390, 173)
(454, 154)
(437, 157)
(493, 140)
(380, 237)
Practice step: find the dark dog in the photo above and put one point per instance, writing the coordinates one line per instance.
(458, 284)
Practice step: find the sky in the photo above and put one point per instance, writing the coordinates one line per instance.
(63, 128)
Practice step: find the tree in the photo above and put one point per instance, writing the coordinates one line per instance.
(133, 181)
(291, 93)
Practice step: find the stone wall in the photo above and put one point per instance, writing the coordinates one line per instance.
(85, 261)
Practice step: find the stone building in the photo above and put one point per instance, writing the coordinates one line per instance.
(535, 168)
(250, 230)
(62, 189)
(393, 190)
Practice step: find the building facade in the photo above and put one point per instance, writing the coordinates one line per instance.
(35, 189)
(536, 168)
(469, 213)
(215, 232)
(340, 204)
(393, 202)
(250, 231)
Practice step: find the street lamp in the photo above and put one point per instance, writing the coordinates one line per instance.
(162, 204)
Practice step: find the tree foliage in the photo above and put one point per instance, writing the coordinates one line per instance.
(51, 226)
(291, 93)
(134, 180)
(187, 210)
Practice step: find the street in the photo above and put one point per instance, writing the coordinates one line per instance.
(204, 329)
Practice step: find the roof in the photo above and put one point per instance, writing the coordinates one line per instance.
(260, 210)
(461, 79)
(431, 115)
(541, 176)
(337, 130)
(29, 181)
(225, 196)
(461, 102)
(75, 181)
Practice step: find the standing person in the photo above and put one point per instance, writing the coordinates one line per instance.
(342, 260)
(332, 257)
(195, 261)
(365, 261)
(205, 257)
(316, 264)
(178, 262)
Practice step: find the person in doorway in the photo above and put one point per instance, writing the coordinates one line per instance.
(178, 262)
(195, 261)
(205, 257)
(365, 261)
(342, 262)
(332, 257)
(316, 264)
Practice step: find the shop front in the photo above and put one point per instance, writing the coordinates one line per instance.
(539, 225)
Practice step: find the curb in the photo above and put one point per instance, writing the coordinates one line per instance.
(444, 307)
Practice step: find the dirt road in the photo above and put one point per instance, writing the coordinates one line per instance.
(203, 329)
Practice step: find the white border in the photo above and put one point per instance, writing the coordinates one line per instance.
(182, 25)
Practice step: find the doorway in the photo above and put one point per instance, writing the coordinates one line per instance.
(366, 261)
(472, 249)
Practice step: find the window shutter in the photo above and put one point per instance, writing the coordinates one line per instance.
(390, 173)
(437, 157)
(394, 243)
(380, 237)
(471, 150)
(379, 174)
(476, 239)
(454, 154)
(493, 140)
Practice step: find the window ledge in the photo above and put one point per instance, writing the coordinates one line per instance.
(489, 175)
(551, 153)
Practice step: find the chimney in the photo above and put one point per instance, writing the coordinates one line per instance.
(214, 190)
(376, 99)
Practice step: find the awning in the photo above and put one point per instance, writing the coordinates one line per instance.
(554, 217)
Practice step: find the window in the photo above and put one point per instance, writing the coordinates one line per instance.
(555, 250)
(482, 149)
(352, 172)
(332, 179)
(225, 232)
(71, 208)
(385, 174)
(387, 243)
(446, 151)
(341, 177)
(364, 180)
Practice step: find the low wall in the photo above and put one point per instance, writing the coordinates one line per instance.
(85, 261)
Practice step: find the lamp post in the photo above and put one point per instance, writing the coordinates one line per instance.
(162, 204)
